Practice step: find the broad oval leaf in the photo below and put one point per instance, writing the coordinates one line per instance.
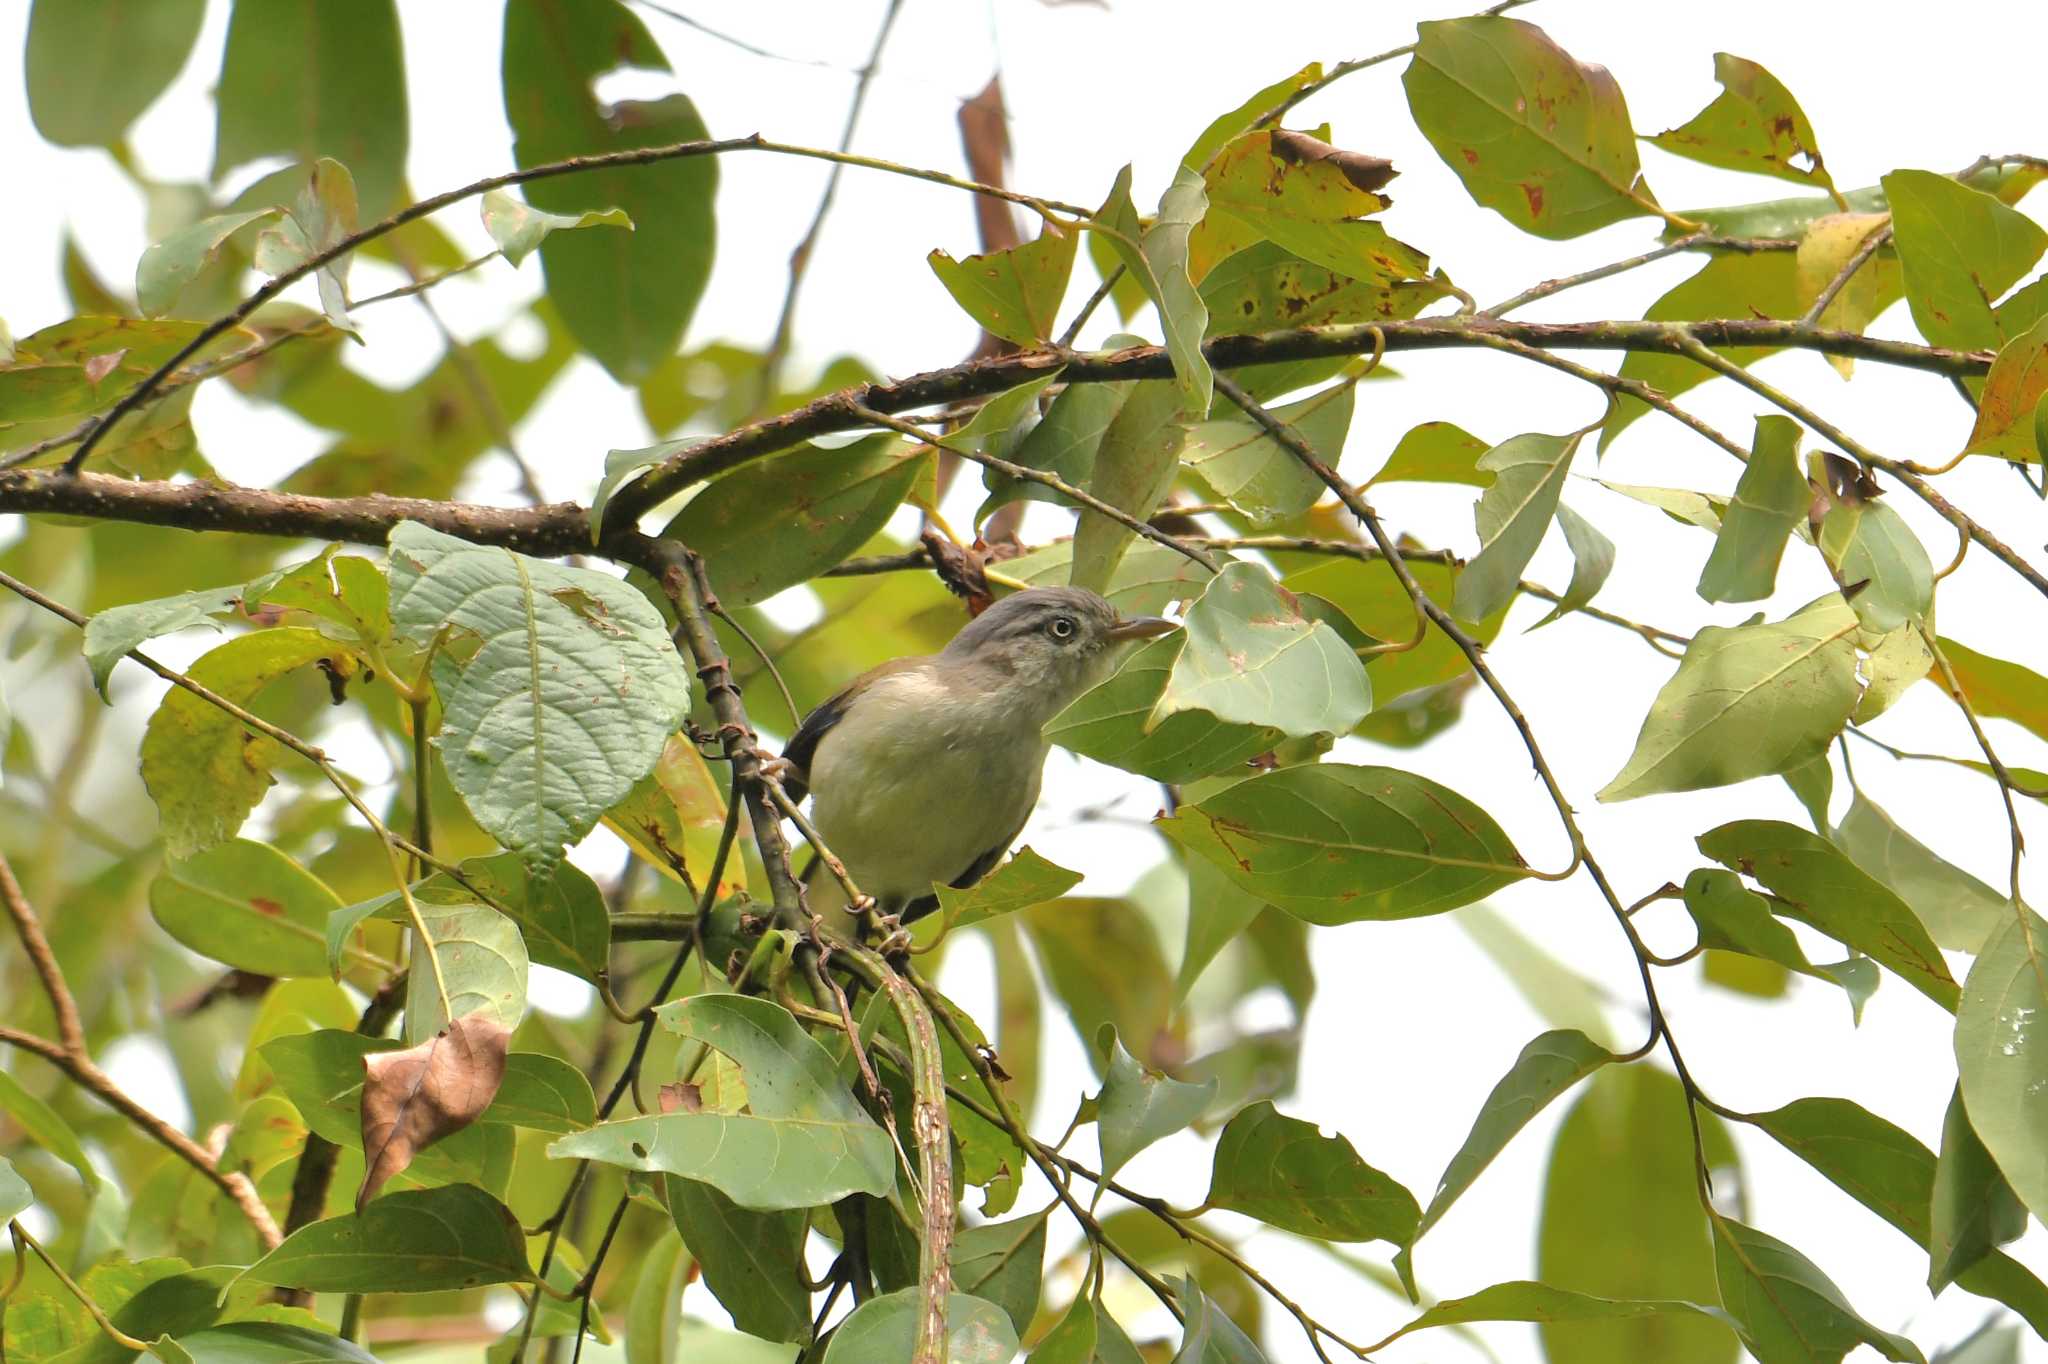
(884, 1331)
(483, 969)
(416, 1241)
(1816, 884)
(267, 1342)
(752, 1261)
(1536, 136)
(1746, 702)
(778, 522)
(93, 65)
(1592, 561)
(2002, 1052)
(1379, 605)
(1254, 472)
(1002, 1262)
(804, 1142)
(1770, 498)
(1869, 543)
(2009, 409)
(559, 686)
(1114, 723)
(1251, 658)
(1787, 1310)
(1434, 452)
(1332, 843)
(1961, 249)
(626, 296)
(1529, 473)
(249, 906)
(1287, 1174)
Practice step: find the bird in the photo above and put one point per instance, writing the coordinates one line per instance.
(924, 770)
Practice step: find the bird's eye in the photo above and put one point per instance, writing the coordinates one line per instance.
(1060, 628)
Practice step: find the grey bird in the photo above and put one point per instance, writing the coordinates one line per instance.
(924, 769)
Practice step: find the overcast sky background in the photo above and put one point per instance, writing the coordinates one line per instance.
(1413, 1024)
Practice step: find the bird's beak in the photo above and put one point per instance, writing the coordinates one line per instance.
(1141, 627)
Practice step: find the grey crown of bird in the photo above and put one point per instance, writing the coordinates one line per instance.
(925, 769)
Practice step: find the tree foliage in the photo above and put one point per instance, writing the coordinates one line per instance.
(762, 1106)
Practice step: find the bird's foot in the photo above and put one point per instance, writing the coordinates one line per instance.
(772, 766)
(891, 937)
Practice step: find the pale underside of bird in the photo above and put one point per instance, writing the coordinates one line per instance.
(924, 770)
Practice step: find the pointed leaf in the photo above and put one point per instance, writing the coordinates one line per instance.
(1284, 1172)
(1974, 1210)
(249, 906)
(1540, 1302)
(1770, 498)
(15, 1195)
(1538, 137)
(1869, 543)
(1592, 561)
(1014, 293)
(1134, 467)
(1158, 258)
(1024, 880)
(1254, 473)
(752, 1261)
(1754, 124)
(1379, 605)
(414, 1097)
(418, 1241)
(1746, 702)
(1332, 843)
(1788, 1311)
(1306, 197)
(1138, 1106)
(483, 968)
(1512, 515)
(1999, 689)
(1000, 1262)
(42, 1125)
(261, 1342)
(1114, 724)
(559, 686)
(1434, 452)
(1731, 919)
(2009, 409)
(1961, 249)
(519, 230)
(1960, 911)
(1252, 658)
(1208, 1336)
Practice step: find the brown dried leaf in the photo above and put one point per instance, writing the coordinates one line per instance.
(985, 134)
(415, 1097)
(960, 569)
(1369, 173)
(682, 1096)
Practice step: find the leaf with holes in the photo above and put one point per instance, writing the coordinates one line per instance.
(559, 686)
(1250, 657)
(1287, 1174)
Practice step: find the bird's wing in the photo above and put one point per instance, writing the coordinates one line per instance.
(803, 745)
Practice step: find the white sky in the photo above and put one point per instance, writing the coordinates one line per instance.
(1413, 1025)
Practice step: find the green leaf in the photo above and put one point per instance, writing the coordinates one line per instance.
(16, 1197)
(203, 769)
(1218, 912)
(1257, 475)
(1536, 136)
(42, 1125)
(1754, 124)
(884, 1331)
(1730, 285)
(1824, 252)
(1158, 258)
(249, 906)
(1891, 665)
(1086, 1335)
(1643, 1237)
(1378, 604)
(1103, 963)
(620, 466)
(1959, 911)
(349, 104)
(1332, 843)
(1271, 185)
(1434, 452)
(94, 65)
(1014, 293)
(1770, 498)
(1961, 249)
(625, 296)
(1001, 1262)
(1134, 467)
(778, 522)
(1064, 443)
(169, 265)
(1529, 473)
(1892, 1174)
(1550, 1065)
(519, 230)
(542, 1092)
(559, 686)
(1139, 1105)
(321, 215)
(1146, 580)
(1024, 880)
(2010, 407)
(413, 1241)
(674, 818)
(1266, 288)
(1787, 1310)
(1592, 561)
(483, 969)
(1820, 887)
(2002, 1055)
(1539, 1302)
(1241, 119)
(1999, 689)
(560, 914)
(805, 1142)
(752, 1261)
(1869, 543)
(1746, 702)
(1284, 1172)
(1974, 1211)
(1113, 723)
(654, 1315)
(1731, 919)
(82, 364)
(1251, 658)
(1208, 1336)
(1683, 505)
(263, 1342)
(1813, 784)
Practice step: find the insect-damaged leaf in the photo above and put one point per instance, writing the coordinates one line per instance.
(1252, 658)
(415, 1097)
(559, 686)
(1754, 124)
(1287, 1174)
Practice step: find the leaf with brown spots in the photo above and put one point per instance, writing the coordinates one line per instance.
(1013, 293)
(415, 1097)
(1754, 124)
(2009, 414)
(1306, 196)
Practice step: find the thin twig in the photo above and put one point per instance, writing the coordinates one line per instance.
(1869, 247)
(1697, 241)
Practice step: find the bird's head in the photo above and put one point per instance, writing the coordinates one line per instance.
(1051, 643)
